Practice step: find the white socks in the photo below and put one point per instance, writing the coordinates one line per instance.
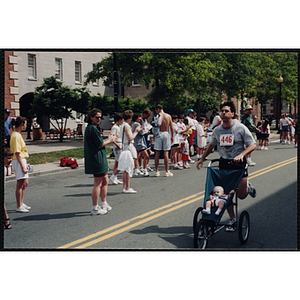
(207, 211)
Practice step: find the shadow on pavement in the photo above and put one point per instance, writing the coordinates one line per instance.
(273, 226)
(44, 217)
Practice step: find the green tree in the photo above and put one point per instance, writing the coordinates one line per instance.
(56, 101)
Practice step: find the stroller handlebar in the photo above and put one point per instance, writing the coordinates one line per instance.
(229, 162)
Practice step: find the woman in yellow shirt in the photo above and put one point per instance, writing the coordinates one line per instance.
(20, 166)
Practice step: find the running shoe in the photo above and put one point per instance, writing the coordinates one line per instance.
(26, 206)
(113, 179)
(130, 191)
(251, 190)
(22, 209)
(250, 162)
(231, 226)
(177, 167)
(146, 174)
(157, 174)
(106, 206)
(98, 211)
(149, 169)
(119, 181)
(168, 174)
(137, 172)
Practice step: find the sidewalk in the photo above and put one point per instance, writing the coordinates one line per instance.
(42, 146)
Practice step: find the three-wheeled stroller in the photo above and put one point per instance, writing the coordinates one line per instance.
(206, 225)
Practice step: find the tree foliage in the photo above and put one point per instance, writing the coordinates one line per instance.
(57, 101)
(202, 80)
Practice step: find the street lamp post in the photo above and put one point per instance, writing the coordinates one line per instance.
(279, 104)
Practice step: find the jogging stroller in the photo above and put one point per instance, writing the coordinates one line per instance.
(206, 225)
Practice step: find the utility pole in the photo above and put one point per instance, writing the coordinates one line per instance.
(116, 83)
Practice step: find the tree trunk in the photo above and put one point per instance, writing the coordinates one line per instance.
(156, 97)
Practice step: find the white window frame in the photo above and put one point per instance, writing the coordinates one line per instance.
(32, 67)
(135, 83)
(78, 73)
(58, 68)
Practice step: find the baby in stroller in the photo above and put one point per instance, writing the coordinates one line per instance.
(216, 198)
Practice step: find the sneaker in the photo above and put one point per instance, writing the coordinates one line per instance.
(187, 167)
(26, 206)
(22, 209)
(106, 206)
(289, 142)
(177, 167)
(157, 174)
(149, 169)
(137, 172)
(146, 174)
(168, 174)
(262, 148)
(259, 148)
(191, 161)
(130, 191)
(113, 179)
(251, 190)
(119, 181)
(231, 226)
(98, 211)
(266, 148)
(250, 162)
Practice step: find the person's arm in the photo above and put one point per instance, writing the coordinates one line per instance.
(206, 153)
(19, 159)
(130, 135)
(171, 128)
(248, 150)
(111, 139)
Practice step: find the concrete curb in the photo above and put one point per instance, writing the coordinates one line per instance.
(48, 169)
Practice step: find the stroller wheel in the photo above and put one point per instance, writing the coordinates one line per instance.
(244, 227)
(201, 235)
(197, 217)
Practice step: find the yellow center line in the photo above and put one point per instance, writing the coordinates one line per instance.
(137, 223)
(127, 222)
(146, 217)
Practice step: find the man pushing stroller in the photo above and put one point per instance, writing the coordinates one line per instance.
(234, 141)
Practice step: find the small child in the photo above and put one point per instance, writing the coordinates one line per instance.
(185, 151)
(216, 198)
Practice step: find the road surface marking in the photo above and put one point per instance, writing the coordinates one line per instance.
(153, 214)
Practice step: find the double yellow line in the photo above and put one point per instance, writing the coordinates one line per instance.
(153, 214)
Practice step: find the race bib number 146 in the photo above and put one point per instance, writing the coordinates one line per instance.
(226, 139)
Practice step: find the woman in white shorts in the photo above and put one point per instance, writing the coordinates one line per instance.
(20, 166)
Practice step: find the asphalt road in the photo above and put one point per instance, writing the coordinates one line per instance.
(160, 215)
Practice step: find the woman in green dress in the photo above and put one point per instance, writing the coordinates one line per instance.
(96, 161)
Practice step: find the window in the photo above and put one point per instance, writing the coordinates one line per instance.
(78, 72)
(31, 66)
(97, 80)
(58, 69)
(135, 83)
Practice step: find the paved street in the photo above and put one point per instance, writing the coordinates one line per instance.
(160, 215)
